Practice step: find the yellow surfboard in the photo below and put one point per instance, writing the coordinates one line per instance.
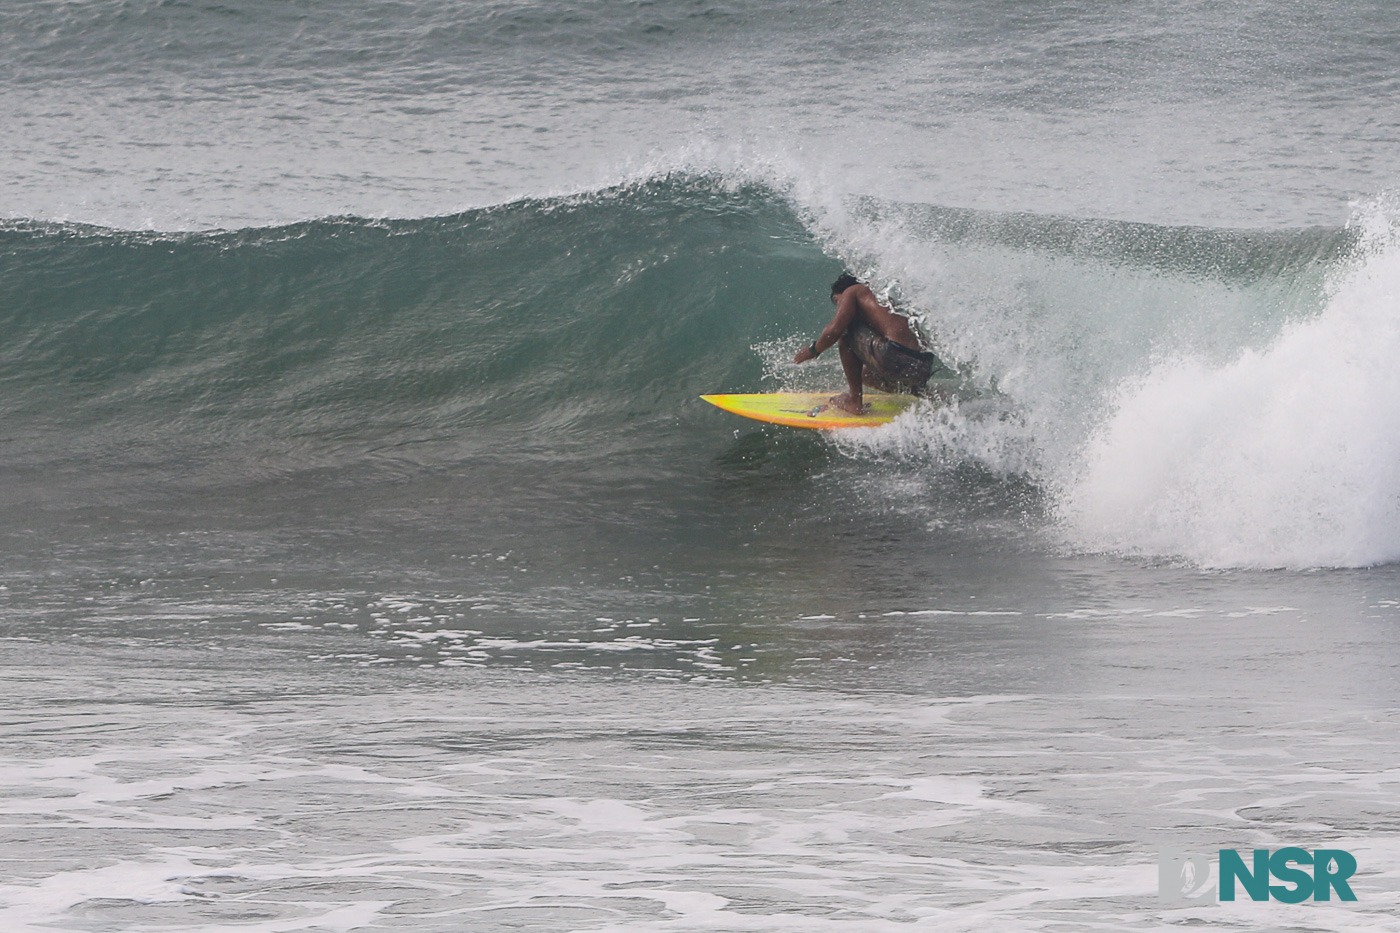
(813, 409)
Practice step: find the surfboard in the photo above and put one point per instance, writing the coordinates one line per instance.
(812, 409)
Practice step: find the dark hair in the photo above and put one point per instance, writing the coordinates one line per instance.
(844, 282)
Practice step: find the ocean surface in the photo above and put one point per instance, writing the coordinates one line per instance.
(369, 562)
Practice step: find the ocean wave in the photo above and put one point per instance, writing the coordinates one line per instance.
(581, 329)
(564, 326)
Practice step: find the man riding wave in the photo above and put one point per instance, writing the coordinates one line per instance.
(878, 347)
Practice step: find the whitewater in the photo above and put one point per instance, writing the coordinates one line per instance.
(368, 560)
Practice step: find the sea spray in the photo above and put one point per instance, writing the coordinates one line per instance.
(1286, 456)
(1060, 322)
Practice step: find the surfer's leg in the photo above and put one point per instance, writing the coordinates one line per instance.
(873, 351)
(852, 400)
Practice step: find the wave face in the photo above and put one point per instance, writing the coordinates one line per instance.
(1218, 396)
(550, 329)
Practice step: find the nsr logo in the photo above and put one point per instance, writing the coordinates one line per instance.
(1184, 879)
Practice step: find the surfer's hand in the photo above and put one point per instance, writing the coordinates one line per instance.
(804, 355)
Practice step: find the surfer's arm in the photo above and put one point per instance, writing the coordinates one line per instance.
(847, 307)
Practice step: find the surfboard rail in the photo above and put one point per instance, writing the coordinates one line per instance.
(813, 409)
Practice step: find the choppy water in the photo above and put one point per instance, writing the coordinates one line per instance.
(368, 561)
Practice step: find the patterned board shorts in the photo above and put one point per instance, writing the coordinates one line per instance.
(889, 366)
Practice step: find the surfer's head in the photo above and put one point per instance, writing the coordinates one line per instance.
(841, 284)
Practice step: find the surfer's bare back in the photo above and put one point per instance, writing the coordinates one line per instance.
(878, 347)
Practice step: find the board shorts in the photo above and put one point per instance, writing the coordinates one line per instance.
(889, 366)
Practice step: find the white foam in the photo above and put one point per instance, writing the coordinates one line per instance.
(545, 802)
(1284, 457)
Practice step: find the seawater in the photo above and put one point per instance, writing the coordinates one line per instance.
(368, 561)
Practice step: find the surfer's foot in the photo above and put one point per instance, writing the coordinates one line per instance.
(848, 404)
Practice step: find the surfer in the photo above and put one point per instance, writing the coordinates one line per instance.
(878, 347)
